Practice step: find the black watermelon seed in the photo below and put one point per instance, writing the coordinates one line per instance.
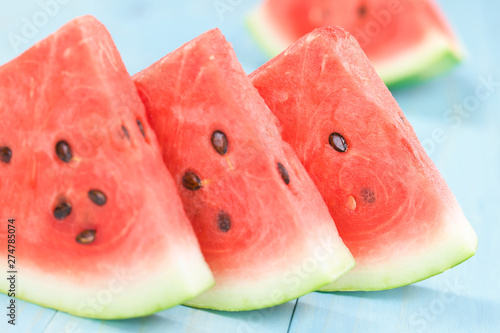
(403, 120)
(141, 128)
(338, 143)
(86, 236)
(224, 221)
(219, 141)
(62, 210)
(97, 197)
(362, 10)
(63, 151)
(368, 195)
(283, 173)
(191, 181)
(5, 154)
(125, 131)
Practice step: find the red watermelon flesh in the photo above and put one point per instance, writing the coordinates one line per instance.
(262, 225)
(391, 206)
(100, 228)
(406, 40)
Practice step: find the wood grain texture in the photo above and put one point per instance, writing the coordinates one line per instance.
(464, 299)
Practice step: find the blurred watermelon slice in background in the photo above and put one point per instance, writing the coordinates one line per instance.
(406, 40)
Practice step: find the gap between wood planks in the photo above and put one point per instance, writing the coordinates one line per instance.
(50, 320)
(291, 317)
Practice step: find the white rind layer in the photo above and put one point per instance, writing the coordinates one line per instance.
(321, 263)
(455, 242)
(261, 26)
(124, 293)
(435, 54)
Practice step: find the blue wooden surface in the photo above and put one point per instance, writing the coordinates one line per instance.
(464, 299)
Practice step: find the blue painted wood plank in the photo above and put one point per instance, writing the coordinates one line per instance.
(30, 318)
(183, 319)
(144, 31)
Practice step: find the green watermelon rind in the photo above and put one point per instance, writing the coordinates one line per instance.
(240, 298)
(450, 249)
(259, 29)
(439, 53)
(143, 296)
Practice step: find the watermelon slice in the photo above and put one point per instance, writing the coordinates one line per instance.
(406, 40)
(391, 206)
(263, 227)
(99, 226)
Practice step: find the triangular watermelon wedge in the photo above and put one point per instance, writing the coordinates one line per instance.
(262, 225)
(99, 227)
(391, 206)
(406, 40)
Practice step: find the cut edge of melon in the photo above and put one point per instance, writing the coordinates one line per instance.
(283, 287)
(124, 294)
(456, 243)
(436, 54)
